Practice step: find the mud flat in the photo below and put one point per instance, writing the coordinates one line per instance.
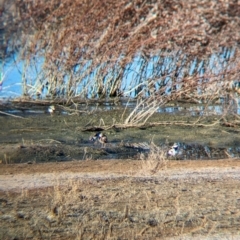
(39, 137)
(55, 184)
(120, 199)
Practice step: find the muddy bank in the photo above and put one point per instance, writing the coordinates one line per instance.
(41, 137)
(120, 199)
(19, 177)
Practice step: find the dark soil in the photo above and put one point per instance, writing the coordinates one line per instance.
(63, 137)
(51, 189)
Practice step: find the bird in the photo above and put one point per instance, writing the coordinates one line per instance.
(100, 137)
(174, 151)
(51, 109)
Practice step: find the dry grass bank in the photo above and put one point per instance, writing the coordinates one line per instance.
(120, 200)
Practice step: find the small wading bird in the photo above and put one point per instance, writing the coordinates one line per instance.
(100, 137)
(174, 151)
(51, 109)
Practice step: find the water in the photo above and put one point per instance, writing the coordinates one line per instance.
(11, 80)
(41, 107)
(30, 133)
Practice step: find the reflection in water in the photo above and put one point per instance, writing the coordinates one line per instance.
(63, 127)
(180, 109)
(196, 110)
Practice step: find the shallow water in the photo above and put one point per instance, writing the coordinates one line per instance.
(39, 137)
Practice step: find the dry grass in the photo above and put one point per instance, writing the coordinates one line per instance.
(117, 48)
(153, 161)
(112, 206)
(125, 207)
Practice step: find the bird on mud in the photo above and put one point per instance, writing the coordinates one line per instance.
(100, 137)
(51, 109)
(174, 151)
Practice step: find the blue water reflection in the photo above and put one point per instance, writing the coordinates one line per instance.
(163, 74)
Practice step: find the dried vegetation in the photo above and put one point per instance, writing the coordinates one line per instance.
(157, 51)
(91, 45)
(182, 203)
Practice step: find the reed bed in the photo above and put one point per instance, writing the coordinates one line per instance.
(155, 52)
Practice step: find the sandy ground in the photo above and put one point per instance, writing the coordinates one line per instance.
(120, 199)
(29, 176)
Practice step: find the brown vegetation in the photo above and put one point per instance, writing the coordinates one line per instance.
(89, 48)
(158, 51)
(120, 199)
(106, 30)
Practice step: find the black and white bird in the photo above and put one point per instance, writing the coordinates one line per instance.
(174, 150)
(100, 137)
(51, 109)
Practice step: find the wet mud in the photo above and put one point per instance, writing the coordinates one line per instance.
(64, 197)
(37, 136)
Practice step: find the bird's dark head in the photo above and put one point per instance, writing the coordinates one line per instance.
(175, 146)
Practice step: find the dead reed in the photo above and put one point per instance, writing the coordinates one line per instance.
(153, 161)
(122, 48)
(155, 52)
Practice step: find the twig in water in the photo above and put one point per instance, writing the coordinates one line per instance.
(11, 115)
